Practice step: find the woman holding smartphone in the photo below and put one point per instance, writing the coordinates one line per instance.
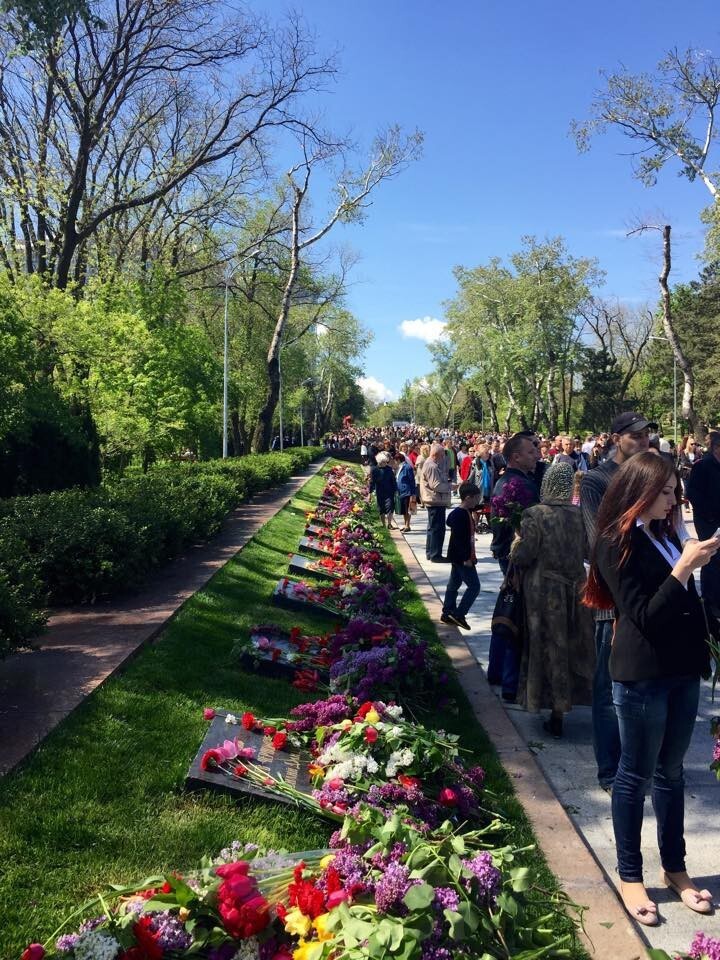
(658, 655)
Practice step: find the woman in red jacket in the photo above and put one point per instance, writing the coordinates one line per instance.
(659, 653)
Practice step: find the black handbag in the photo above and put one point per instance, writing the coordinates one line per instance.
(508, 617)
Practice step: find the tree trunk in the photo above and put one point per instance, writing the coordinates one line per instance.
(552, 404)
(493, 409)
(262, 438)
(689, 413)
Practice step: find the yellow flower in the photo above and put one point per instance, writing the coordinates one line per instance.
(315, 770)
(297, 923)
(320, 924)
(326, 861)
(372, 716)
(183, 914)
(305, 950)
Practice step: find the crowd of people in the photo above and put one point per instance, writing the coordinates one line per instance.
(590, 535)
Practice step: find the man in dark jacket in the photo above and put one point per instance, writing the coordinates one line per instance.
(461, 554)
(630, 434)
(703, 492)
(521, 458)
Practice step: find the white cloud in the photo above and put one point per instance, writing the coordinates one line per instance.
(375, 390)
(428, 329)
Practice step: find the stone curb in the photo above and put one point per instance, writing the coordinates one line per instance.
(85, 646)
(609, 934)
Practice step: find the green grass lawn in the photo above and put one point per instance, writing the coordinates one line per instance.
(102, 799)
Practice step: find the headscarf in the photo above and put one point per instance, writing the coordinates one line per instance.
(557, 483)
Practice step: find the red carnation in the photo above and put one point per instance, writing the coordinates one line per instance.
(147, 940)
(308, 898)
(409, 782)
(269, 731)
(248, 720)
(279, 741)
(211, 760)
(240, 770)
(365, 709)
(371, 735)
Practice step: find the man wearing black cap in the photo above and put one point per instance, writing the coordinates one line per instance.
(629, 435)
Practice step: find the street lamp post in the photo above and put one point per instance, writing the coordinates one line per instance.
(228, 277)
(675, 420)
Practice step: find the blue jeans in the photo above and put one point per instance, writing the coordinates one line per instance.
(606, 735)
(657, 719)
(459, 573)
(435, 533)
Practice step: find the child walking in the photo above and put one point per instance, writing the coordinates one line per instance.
(461, 554)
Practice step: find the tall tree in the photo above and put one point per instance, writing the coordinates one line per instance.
(390, 153)
(103, 120)
(670, 116)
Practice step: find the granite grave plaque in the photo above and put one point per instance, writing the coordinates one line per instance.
(315, 529)
(314, 546)
(290, 764)
(285, 595)
(260, 655)
(310, 565)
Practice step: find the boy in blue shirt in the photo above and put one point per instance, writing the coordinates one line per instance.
(461, 554)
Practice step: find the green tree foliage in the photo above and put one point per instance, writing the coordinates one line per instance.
(517, 329)
(602, 388)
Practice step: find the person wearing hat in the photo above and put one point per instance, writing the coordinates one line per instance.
(629, 435)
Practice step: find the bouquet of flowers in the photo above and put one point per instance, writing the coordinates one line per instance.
(508, 505)
(224, 910)
(412, 896)
(701, 948)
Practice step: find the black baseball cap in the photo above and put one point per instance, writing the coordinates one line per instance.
(629, 421)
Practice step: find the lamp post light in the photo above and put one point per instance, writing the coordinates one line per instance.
(675, 420)
(226, 360)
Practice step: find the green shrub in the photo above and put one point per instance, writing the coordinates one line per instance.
(74, 546)
(22, 597)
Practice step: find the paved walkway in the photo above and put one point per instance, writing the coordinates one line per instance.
(569, 766)
(84, 645)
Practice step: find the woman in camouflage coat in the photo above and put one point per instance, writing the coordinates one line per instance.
(558, 658)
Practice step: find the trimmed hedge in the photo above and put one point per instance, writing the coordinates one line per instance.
(74, 546)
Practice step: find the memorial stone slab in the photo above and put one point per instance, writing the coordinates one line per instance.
(314, 545)
(290, 764)
(314, 529)
(260, 655)
(284, 596)
(300, 564)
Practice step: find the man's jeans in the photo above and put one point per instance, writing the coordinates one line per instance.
(657, 719)
(606, 735)
(459, 573)
(503, 658)
(435, 533)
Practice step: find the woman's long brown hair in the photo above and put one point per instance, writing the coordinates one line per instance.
(635, 486)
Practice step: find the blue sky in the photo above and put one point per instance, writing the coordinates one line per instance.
(494, 86)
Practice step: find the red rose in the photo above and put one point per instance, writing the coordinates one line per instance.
(371, 735)
(279, 741)
(36, 951)
(248, 720)
(208, 713)
(448, 797)
(211, 760)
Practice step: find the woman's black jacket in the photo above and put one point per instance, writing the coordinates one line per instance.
(660, 627)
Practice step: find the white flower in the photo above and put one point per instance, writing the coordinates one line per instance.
(397, 759)
(249, 949)
(394, 711)
(96, 945)
(230, 718)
